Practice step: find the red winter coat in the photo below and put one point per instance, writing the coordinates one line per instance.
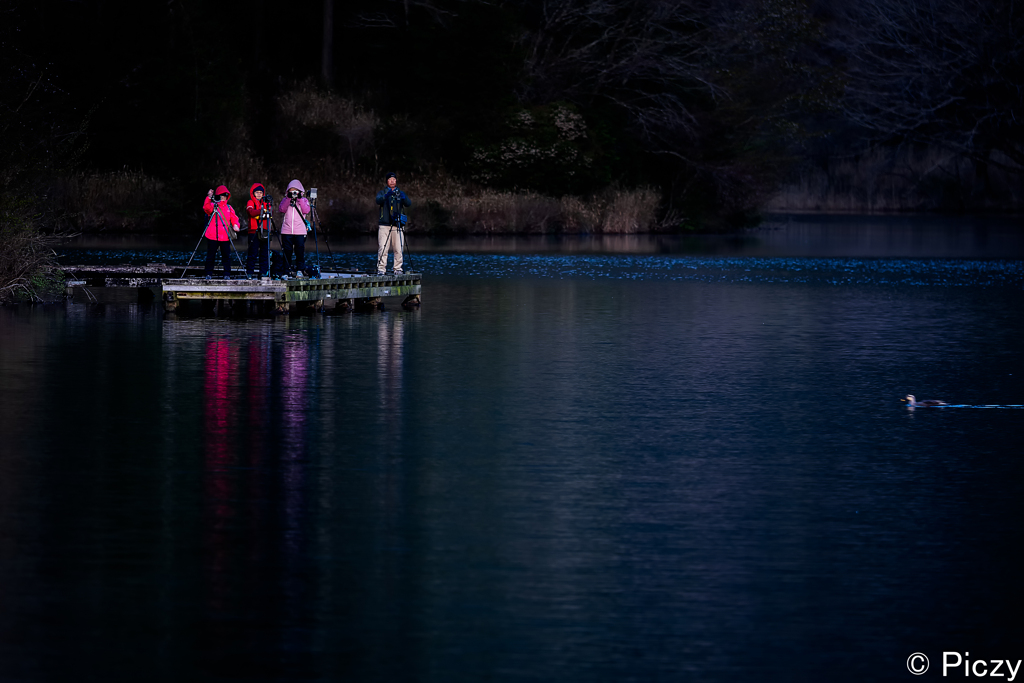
(217, 230)
(255, 206)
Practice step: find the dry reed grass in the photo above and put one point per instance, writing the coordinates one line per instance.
(442, 203)
(910, 179)
(130, 200)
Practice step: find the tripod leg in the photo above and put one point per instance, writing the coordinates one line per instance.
(327, 241)
(280, 243)
(237, 255)
(316, 241)
(383, 244)
(192, 256)
(404, 244)
(265, 257)
(227, 228)
(203, 234)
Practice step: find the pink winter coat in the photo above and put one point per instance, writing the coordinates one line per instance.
(292, 223)
(217, 230)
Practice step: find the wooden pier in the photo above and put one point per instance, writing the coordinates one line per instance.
(322, 293)
(155, 282)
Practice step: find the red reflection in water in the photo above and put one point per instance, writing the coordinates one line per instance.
(219, 418)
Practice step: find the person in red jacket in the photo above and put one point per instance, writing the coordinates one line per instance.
(259, 211)
(222, 219)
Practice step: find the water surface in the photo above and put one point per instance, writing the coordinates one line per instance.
(594, 467)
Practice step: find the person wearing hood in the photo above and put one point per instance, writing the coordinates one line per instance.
(391, 224)
(222, 219)
(295, 208)
(259, 212)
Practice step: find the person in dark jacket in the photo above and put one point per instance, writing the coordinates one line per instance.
(391, 224)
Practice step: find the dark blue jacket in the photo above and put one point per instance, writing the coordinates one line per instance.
(391, 202)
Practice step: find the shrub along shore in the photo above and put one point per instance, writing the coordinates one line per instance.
(131, 201)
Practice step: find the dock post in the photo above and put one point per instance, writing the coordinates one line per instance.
(371, 304)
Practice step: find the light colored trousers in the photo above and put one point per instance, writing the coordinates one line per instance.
(386, 234)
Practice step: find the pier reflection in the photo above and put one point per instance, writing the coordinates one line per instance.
(258, 386)
(390, 361)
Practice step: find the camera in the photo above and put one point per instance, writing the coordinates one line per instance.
(293, 194)
(312, 193)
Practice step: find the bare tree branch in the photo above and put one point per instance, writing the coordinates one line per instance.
(948, 73)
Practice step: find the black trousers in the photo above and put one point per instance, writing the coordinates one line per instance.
(261, 247)
(211, 255)
(294, 244)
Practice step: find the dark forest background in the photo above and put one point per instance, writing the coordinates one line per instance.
(551, 115)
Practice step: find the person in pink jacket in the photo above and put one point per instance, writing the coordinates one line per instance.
(295, 208)
(222, 219)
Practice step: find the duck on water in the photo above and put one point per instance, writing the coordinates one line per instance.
(914, 403)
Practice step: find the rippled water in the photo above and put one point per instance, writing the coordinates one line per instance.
(591, 467)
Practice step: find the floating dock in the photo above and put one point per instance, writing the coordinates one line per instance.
(155, 282)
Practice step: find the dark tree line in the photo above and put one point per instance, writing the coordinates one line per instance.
(709, 100)
(945, 72)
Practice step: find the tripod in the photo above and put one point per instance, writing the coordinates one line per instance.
(393, 199)
(294, 244)
(201, 236)
(402, 218)
(216, 212)
(314, 217)
(261, 235)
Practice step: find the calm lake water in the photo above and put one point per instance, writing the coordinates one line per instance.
(671, 460)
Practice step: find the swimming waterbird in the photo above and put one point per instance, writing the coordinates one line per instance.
(914, 403)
